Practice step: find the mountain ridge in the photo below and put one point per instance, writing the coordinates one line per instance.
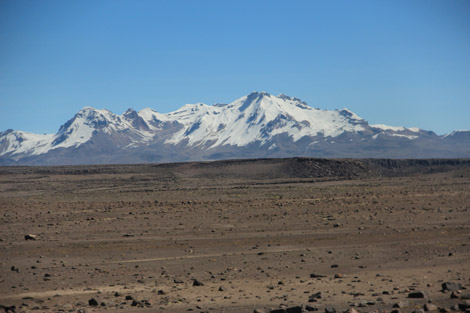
(256, 125)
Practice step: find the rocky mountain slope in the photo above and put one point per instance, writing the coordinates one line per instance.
(256, 125)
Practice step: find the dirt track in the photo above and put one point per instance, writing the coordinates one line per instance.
(251, 233)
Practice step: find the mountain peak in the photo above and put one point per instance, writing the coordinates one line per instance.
(270, 125)
(135, 119)
(259, 93)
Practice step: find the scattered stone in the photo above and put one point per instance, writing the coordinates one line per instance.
(465, 305)
(430, 307)
(417, 295)
(146, 302)
(294, 309)
(178, 281)
(351, 310)
(117, 294)
(400, 304)
(259, 310)
(334, 266)
(161, 292)
(30, 237)
(310, 308)
(136, 303)
(362, 304)
(313, 275)
(92, 302)
(197, 283)
(465, 296)
(314, 297)
(450, 286)
(129, 297)
(455, 295)
(330, 309)
(221, 288)
(11, 308)
(339, 275)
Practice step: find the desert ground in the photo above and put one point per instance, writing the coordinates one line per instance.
(236, 236)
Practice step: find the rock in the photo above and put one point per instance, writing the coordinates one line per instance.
(30, 237)
(137, 303)
(330, 309)
(430, 307)
(310, 308)
(197, 283)
(259, 310)
(465, 305)
(417, 295)
(455, 295)
(450, 286)
(11, 308)
(362, 304)
(351, 310)
(334, 266)
(178, 281)
(418, 311)
(400, 304)
(221, 288)
(465, 296)
(313, 275)
(92, 302)
(117, 294)
(128, 297)
(161, 292)
(339, 275)
(294, 309)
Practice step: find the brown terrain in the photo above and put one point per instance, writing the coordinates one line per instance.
(286, 235)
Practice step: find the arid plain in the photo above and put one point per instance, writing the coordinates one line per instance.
(236, 236)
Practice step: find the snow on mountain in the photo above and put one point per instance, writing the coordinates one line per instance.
(258, 117)
(19, 142)
(77, 131)
(275, 124)
(395, 128)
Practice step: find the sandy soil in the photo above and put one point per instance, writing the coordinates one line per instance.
(252, 241)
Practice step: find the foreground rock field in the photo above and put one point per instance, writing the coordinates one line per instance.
(236, 236)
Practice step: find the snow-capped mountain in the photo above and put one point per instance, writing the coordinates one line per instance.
(256, 125)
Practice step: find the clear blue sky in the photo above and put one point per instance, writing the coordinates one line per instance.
(394, 62)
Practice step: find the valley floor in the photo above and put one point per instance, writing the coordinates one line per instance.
(151, 234)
